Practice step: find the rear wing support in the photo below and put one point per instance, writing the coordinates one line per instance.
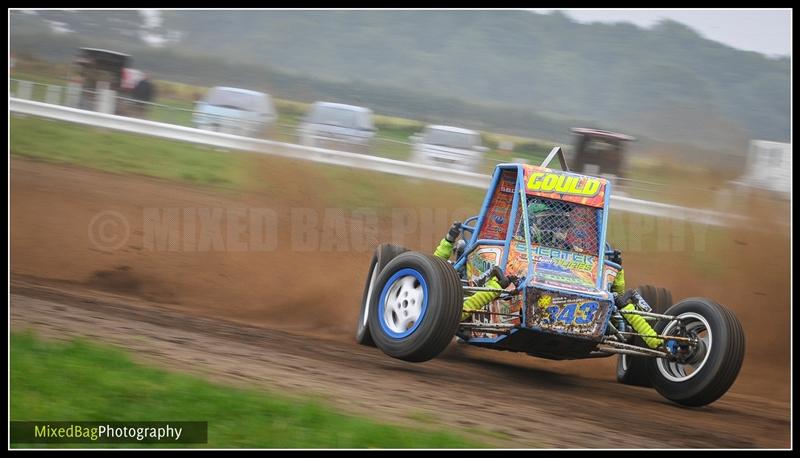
(556, 151)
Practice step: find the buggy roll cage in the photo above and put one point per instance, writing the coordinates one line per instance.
(519, 194)
(608, 345)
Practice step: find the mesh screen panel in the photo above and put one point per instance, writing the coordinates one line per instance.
(562, 225)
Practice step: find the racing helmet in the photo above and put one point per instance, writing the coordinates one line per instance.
(549, 223)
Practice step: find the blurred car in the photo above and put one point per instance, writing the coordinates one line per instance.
(235, 111)
(100, 68)
(450, 146)
(337, 126)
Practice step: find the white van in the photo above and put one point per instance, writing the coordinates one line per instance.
(235, 111)
(337, 126)
(449, 146)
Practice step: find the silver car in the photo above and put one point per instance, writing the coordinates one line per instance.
(235, 111)
(449, 146)
(337, 126)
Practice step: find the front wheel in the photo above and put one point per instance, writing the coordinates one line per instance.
(383, 254)
(705, 371)
(416, 308)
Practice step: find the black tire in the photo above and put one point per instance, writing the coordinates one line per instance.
(632, 370)
(717, 372)
(440, 303)
(383, 254)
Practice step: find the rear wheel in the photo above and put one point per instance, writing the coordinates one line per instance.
(632, 370)
(383, 254)
(704, 372)
(416, 307)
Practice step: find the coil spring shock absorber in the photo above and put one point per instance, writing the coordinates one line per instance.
(479, 300)
(642, 327)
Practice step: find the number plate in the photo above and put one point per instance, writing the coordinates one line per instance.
(566, 314)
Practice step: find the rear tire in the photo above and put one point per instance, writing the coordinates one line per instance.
(383, 254)
(632, 370)
(711, 372)
(416, 308)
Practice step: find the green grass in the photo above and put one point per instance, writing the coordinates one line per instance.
(172, 112)
(120, 152)
(83, 381)
(38, 77)
(123, 153)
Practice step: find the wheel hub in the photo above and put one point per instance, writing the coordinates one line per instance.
(402, 305)
(692, 353)
(687, 360)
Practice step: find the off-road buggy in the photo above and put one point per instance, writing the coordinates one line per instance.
(533, 273)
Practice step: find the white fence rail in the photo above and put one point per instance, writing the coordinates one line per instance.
(328, 156)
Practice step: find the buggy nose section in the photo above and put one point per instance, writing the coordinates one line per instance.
(582, 315)
(568, 289)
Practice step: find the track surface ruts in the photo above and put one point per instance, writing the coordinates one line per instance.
(532, 407)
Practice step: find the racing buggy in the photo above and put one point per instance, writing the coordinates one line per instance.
(533, 273)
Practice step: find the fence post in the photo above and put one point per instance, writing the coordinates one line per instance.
(73, 95)
(53, 95)
(105, 98)
(24, 89)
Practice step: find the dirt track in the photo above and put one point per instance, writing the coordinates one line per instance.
(236, 316)
(532, 407)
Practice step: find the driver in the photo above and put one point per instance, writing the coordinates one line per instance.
(549, 223)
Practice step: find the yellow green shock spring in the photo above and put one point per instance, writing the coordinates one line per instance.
(480, 299)
(444, 250)
(642, 327)
(619, 282)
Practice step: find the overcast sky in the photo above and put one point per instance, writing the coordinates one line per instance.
(765, 31)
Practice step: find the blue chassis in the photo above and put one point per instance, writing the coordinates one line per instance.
(529, 339)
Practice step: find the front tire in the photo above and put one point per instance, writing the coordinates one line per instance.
(383, 254)
(713, 367)
(632, 370)
(417, 307)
